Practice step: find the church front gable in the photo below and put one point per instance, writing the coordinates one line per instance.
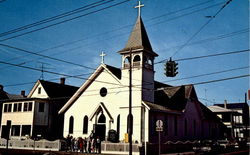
(102, 96)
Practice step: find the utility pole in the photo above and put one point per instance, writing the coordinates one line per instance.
(130, 105)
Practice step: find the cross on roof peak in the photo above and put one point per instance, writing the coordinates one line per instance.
(139, 7)
(102, 55)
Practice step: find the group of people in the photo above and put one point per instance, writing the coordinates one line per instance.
(85, 145)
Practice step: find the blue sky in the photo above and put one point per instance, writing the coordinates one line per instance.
(109, 29)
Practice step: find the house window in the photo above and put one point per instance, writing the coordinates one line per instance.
(39, 90)
(85, 125)
(27, 106)
(30, 106)
(26, 130)
(19, 108)
(15, 130)
(41, 107)
(166, 125)
(15, 107)
(71, 124)
(175, 126)
(186, 128)
(5, 108)
(9, 107)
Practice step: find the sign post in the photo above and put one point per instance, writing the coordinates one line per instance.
(159, 128)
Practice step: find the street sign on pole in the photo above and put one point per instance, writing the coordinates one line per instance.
(159, 128)
(159, 123)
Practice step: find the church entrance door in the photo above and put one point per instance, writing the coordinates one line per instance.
(100, 128)
(100, 131)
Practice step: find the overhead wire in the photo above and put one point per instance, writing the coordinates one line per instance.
(213, 55)
(72, 42)
(198, 31)
(64, 21)
(222, 36)
(157, 89)
(206, 74)
(59, 16)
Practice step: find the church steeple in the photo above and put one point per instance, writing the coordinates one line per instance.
(138, 39)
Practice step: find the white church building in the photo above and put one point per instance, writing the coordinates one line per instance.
(101, 104)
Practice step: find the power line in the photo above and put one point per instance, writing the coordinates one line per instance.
(231, 34)
(174, 12)
(213, 55)
(219, 80)
(55, 73)
(206, 74)
(48, 57)
(186, 14)
(64, 21)
(72, 42)
(197, 42)
(200, 29)
(212, 81)
(83, 8)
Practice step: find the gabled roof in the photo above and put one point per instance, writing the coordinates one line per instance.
(160, 108)
(138, 39)
(175, 98)
(54, 90)
(114, 72)
(99, 108)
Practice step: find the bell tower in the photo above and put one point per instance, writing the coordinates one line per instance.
(142, 62)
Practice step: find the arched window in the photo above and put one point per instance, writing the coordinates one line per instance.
(85, 125)
(127, 60)
(130, 119)
(71, 124)
(102, 119)
(137, 58)
(118, 125)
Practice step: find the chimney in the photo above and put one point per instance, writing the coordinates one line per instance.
(62, 81)
(23, 93)
(225, 104)
(1, 87)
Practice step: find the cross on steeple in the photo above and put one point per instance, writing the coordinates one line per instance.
(102, 55)
(139, 8)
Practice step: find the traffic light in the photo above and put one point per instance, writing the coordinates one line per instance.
(168, 68)
(171, 68)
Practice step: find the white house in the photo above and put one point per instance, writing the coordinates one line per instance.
(102, 102)
(36, 114)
